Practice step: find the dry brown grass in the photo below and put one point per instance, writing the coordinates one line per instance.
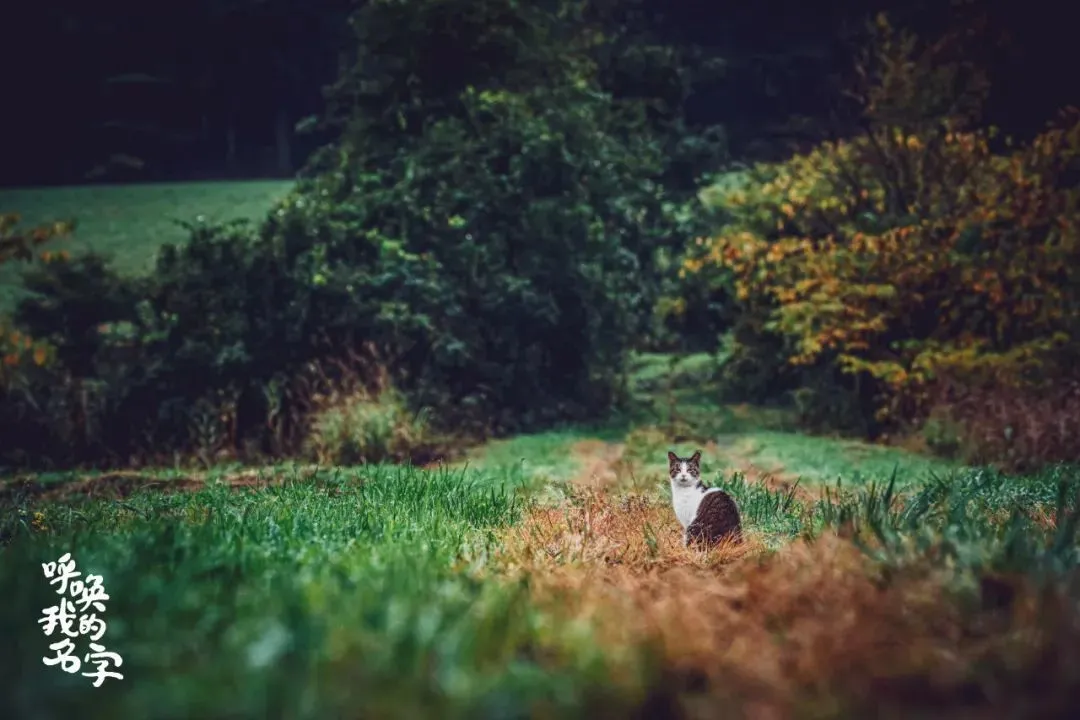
(811, 630)
(592, 529)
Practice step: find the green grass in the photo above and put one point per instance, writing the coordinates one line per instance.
(677, 397)
(977, 522)
(131, 222)
(823, 460)
(539, 456)
(655, 370)
(360, 593)
(351, 595)
(543, 463)
(368, 592)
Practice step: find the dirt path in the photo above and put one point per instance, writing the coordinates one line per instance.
(603, 466)
(124, 483)
(600, 464)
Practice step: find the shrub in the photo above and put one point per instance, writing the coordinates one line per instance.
(489, 226)
(362, 428)
(942, 434)
(203, 356)
(26, 361)
(911, 251)
(353, 414)
(1017, 429)
(515, 209)
(18, 350)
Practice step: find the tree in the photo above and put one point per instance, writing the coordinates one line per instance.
(19, 246)
(912, 252)
(511, 205)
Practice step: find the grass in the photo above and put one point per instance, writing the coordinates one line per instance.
(310, 598)
(955, 602)
(676, 407)
(825, 460)
(130, 222)
(544, 576)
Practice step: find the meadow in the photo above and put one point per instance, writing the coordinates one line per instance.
(543, 576)
(130, 222)
(482, 250)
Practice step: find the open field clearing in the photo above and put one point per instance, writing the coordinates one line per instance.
(130, 222)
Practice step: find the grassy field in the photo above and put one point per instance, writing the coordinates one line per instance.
(543, 576)
(130, 222)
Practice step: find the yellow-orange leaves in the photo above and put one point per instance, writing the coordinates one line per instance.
(975, 270)
(15, 348)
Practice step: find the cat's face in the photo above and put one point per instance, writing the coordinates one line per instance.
(684, 472)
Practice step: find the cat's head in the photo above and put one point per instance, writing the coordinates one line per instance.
(684, 472)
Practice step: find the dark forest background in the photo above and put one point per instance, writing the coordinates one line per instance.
(120, 91)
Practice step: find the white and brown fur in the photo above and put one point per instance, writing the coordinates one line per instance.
(708, 515)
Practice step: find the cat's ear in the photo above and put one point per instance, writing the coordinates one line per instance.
(672, 457)
(696, 457)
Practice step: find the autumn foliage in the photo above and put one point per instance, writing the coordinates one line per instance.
(922, 249)
(17, 348)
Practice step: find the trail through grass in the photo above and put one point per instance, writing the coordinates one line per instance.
(130, 222)
(544, 576)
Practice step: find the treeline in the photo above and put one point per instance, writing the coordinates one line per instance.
(486, 240)
(921, 277)
(210, 89)
(483, 233)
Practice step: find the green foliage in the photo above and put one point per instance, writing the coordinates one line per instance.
(17, 350)
(71, 303)
(517, 204)
(776, 514)
(362, 427)
(488, 227)
(204, 356)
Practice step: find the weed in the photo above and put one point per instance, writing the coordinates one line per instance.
(361, 427)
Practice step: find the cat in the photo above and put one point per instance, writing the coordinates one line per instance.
(706, 514)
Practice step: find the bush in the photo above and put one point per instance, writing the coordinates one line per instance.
(942, 434)
(18, 351)
(204, 356)
(489, 234)
(25, 360)
(1018, 430)
(356, 415)
(515, 208)
(363, 428)
(911, 251)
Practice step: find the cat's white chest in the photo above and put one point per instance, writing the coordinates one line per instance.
(686, 501)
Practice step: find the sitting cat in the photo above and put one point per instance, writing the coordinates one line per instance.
(706, 514)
